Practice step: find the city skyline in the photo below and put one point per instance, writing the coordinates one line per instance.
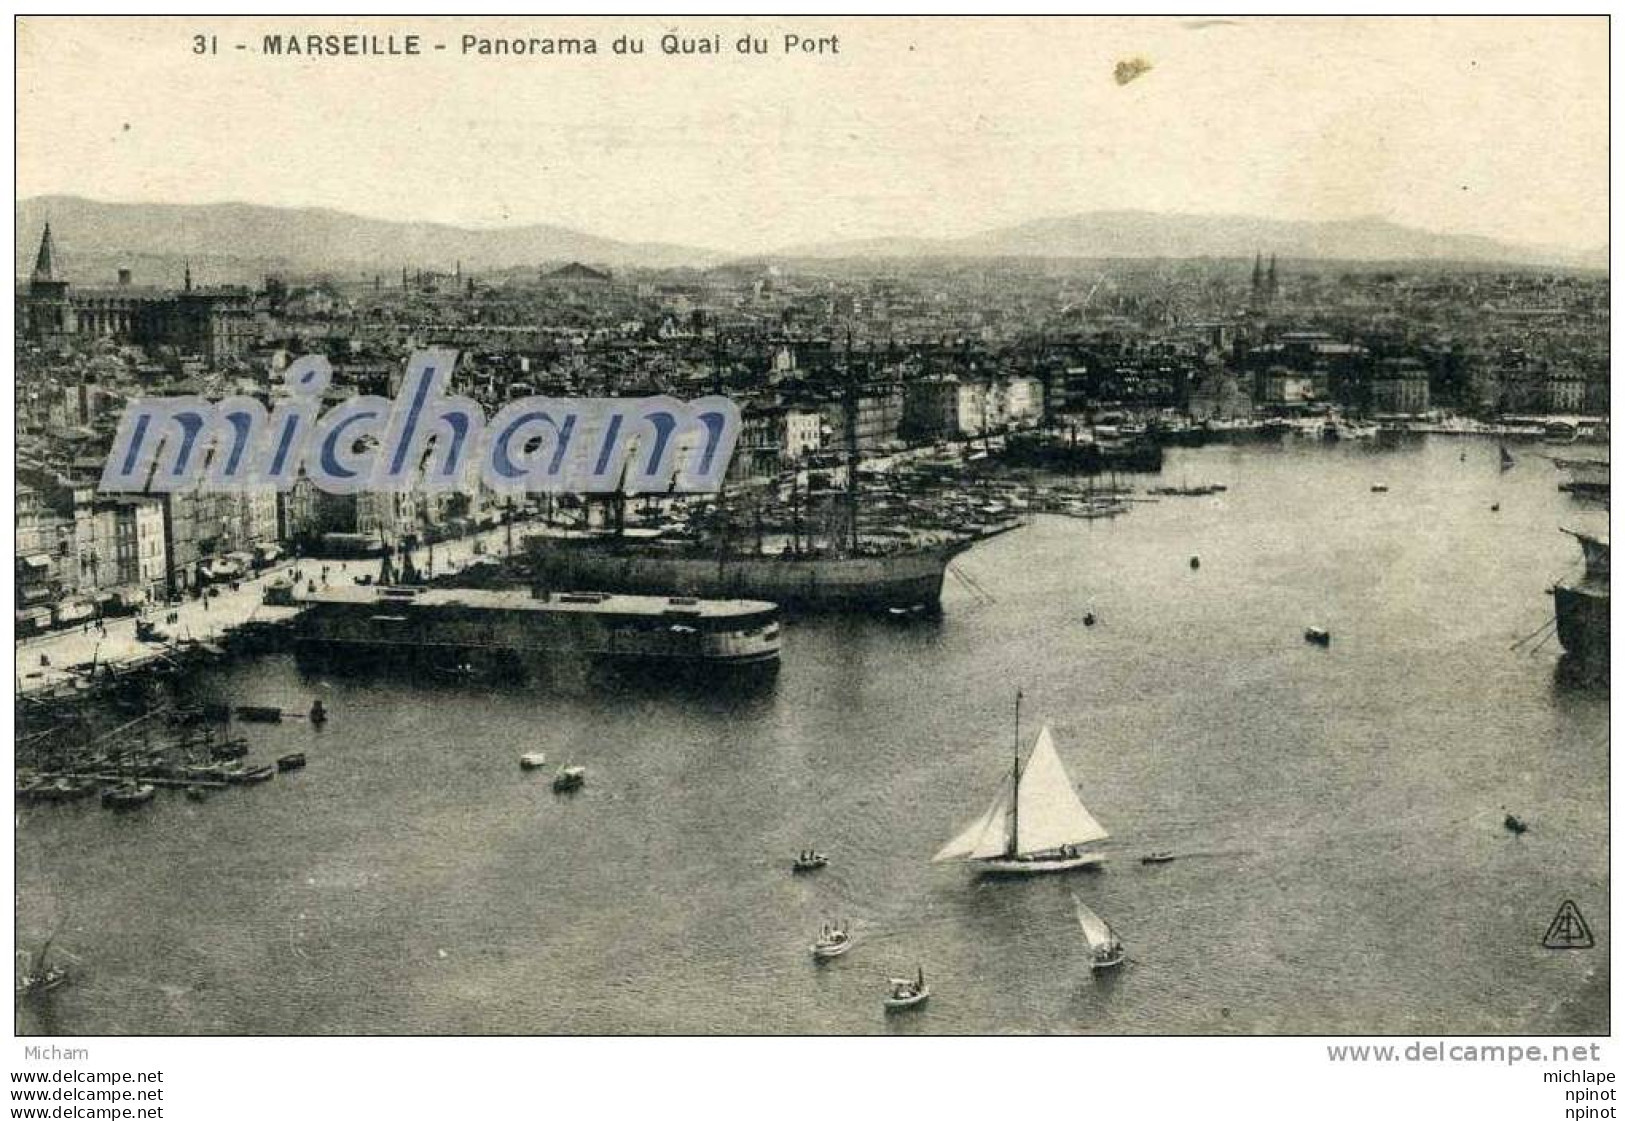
(1439, 125)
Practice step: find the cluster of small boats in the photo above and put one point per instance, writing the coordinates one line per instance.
(191, 757)
(567, 779)
(1036, 824)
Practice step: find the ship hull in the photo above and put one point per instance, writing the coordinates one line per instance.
(468, 629)
(1038, 865)
(1582, 623)
(808, 584)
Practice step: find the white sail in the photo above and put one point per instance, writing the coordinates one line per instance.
(988, 835)
(1048, 812)
(1096, 930)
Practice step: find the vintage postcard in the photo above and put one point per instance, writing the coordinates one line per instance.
(811, 526)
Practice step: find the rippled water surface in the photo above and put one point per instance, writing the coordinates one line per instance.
(1337, 812)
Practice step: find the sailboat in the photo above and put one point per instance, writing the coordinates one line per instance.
(1105, 948)
(1036, 822)
(1506, 458)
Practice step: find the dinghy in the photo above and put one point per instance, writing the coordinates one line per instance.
(907, 992)
(833, 941)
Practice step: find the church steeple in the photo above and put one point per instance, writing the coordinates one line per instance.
(1271, 288)
(188, 274)
(45, 263)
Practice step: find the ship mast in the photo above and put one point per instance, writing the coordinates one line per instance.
(851, 411)
(1015, 780)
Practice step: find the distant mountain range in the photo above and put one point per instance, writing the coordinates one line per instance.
(1106, 234)
(240, 242)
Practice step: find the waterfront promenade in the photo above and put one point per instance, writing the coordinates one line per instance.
(59, 657)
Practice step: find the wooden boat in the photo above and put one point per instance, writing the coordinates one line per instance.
(1157, 858)
(61, 789)
(259, 714)
(531, 760)
(229, 749)
(1320, 636)
(1105, 948)
(291, 762)
(197, 793)
(1379, 488)
(809, 860)
(1196, 562)
(1036, 822)
(1513, 824)
(263, 773)
(833, 941)
(128, 795)
(39, 976)
(907, 992)
(569, 778)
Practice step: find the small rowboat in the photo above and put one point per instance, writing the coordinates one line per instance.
(833, 941)
(570, 778)
(263, 773)
(1320, 636)
(128, 795)
(907, 992)
(291, 762)
(1157, 858)
(230, 749)
(54, 977)
(530, 760)
(809, 861)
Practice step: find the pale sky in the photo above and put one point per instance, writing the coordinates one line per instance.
(928, 127)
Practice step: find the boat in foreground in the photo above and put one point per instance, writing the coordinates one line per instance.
(809, 860)
(1105, 948)
(833, 941)
(569, 778)
(907, 992)
(39, 976)
(1036, 822)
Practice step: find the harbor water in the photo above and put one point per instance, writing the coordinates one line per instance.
(1335, 813)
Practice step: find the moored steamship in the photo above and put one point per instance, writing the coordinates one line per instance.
(457, 623)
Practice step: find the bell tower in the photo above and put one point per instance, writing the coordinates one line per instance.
(48, 310)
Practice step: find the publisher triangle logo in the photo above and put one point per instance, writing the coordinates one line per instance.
(1568, 930)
